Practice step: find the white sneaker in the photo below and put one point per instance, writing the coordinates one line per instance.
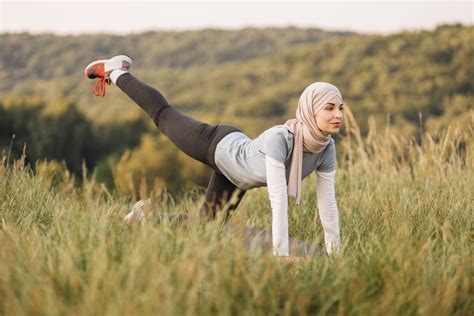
(107, 71)
(137, 214)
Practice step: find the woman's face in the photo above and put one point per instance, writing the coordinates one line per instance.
(329, 118)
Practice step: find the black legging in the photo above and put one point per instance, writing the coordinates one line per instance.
(196, 139)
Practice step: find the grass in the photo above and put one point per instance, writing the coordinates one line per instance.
(406, 225)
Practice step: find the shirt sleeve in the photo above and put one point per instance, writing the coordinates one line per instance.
(328, 212)
(328, 159)
(275, 145)
(278, 194)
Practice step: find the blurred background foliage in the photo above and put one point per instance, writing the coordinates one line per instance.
(414, 82)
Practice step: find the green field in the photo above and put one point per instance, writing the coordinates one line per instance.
(406, 225)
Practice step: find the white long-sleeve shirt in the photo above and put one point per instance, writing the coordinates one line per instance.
(265, 161)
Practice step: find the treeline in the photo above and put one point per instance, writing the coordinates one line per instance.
(128, 156)
(415, 81)
(44, 56)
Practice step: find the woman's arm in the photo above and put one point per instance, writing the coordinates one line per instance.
(278, 194)
(328, 212)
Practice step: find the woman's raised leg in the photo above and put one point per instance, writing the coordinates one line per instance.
(195, 138)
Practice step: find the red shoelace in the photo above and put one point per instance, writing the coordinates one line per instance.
(99, 88)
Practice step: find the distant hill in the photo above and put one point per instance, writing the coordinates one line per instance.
(42, 56)
(253, 77)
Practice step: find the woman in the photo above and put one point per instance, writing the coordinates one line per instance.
(279, 158)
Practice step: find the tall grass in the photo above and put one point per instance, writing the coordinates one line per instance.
(406, 223)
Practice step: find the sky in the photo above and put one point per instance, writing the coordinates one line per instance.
(75, 17)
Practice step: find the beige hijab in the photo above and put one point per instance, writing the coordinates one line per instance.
(308, 136)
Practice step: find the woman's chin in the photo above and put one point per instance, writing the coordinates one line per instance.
(330, 130)
(333, 131)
